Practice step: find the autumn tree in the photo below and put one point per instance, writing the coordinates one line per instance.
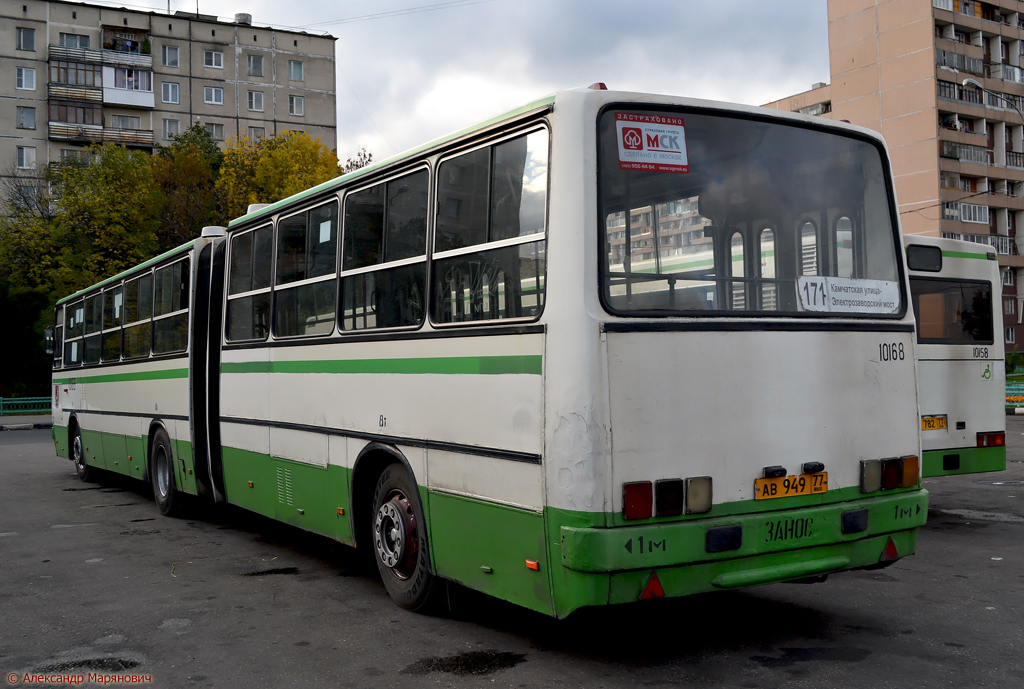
(271, 169)
(108, 212)
(185, 173)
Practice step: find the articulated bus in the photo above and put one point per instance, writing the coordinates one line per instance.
(606, 347)
(955, 288)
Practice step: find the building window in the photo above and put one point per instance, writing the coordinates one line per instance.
(256, 101)
(257, 133)
(26, 118)
(75, 112)
(133, 80)
(26, 79)
(213, 58)
(1011, 336)
(296, 105)
(76, 154)
(216, 130)
(74, 40)
(76, 74)
(1008, 277)
(26, 157)
(1009, 306)
(171, 92)
(255, 65)
(171, 128)
(295, 72)
(26, 39)
(973, 212)
(170, 56)
(125, 122)
(213, 95)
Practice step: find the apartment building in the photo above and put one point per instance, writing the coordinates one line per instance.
(76, 74)
(899, 67)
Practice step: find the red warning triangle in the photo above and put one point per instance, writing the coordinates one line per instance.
(889, 554)
(653, 588)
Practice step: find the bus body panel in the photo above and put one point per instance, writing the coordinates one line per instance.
(728, 404)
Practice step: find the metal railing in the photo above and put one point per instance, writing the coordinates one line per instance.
(25, 405)
(1015, 394)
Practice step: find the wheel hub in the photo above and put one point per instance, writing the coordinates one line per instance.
(394, 535)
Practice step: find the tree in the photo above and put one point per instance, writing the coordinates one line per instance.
(184, 173)
(271, 169)
(294, 162)
(236, 184)
(362, 158)
(108, 213)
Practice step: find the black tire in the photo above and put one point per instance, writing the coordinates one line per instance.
(83, 470)
(161, 474)
(399, 535)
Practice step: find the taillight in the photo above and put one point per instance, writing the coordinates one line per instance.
(637, 500)
(886, 474)
(993, 439)
(668, 497)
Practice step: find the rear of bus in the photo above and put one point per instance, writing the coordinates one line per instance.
(954, 288)
(754, 360)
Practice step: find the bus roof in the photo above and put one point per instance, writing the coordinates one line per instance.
(114, 278)
(539, 104)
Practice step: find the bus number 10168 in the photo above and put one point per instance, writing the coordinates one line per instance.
(890, 351)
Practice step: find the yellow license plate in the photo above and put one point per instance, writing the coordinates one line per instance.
(790, 486)
(933, 423)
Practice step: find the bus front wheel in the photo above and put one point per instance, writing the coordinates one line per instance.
(78, 455)
(399, 534)
(161, 474)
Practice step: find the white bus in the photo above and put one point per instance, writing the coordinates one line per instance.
(606, 347)
(955, 287)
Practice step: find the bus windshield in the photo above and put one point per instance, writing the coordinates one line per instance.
(711, 214)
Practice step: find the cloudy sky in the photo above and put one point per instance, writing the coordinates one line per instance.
(412, 70)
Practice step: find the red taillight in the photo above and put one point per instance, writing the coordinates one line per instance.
(892, 472)
(994, 439)
(637, 500)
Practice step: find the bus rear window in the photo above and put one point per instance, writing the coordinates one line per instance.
(952, 311)
(709, 214)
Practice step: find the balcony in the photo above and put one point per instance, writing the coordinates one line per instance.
(104, 57)
(1006, 73)
(91, 134)
(1014, 159)
(78, 93)
(1004, 246)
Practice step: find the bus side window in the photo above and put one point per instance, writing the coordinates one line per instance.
(383, 281)
(809, 249)
(112, 312)
(74, 323)
(93, 329)
(844, 248)
(170, 322)
(492, 194)
(58, 337)
(768, 287)
(249, 277)
(138, 312)
(306, 254)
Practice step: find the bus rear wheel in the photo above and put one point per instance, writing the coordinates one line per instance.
(78, 455)
(400, 541)
(161, 474)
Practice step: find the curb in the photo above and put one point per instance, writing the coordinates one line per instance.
(25, 426)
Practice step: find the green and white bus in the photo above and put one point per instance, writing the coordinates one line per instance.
(955, 288)
(606, 347)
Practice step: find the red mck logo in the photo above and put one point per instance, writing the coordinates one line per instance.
(632, 139)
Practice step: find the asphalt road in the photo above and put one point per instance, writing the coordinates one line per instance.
(93, 579)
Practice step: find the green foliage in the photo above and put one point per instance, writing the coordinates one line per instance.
(271, 169)
(1014, 360)
(184, 173)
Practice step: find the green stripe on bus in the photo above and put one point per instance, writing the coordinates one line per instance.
(964, 254)
(480, 365)
(165, 374)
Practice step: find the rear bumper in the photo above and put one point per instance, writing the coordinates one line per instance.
(740, 542)
(962, 460)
